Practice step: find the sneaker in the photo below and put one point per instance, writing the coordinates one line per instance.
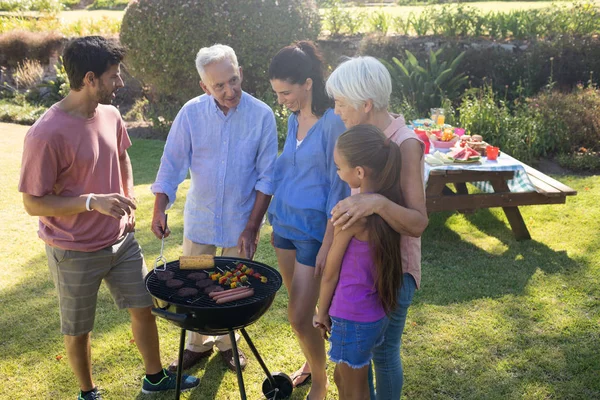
(93, 395)
(168, 383)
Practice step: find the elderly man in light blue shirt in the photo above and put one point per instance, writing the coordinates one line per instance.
(227, 140)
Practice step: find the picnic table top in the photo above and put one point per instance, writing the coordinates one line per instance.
(524, 179)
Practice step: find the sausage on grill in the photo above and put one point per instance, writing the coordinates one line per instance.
(236, 296)
(228, 292)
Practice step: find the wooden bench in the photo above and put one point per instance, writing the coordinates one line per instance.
(441, 197)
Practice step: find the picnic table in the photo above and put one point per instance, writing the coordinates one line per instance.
(506, 183)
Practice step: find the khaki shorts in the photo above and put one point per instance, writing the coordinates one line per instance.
(77, 276)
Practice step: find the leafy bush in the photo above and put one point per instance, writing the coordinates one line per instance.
(510, 68)
(459, 20)
(424, 87)
(577, 112)
(163, 37)
(380, 22)
(20, 111)
(584, 161)
(49, 24)
(109, 5)
(523, 128)
(16, 46)
(49, 6)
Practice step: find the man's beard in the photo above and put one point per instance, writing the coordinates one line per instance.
(105, 96)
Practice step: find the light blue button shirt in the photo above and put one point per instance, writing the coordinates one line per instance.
(306, 182)
(229, 157)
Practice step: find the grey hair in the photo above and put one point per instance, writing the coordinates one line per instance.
(214, 53)
(359, 79)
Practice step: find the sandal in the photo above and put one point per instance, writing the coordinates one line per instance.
(300, 374)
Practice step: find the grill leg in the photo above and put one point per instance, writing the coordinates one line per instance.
(238, 368)
(258, 357)
(180, 365)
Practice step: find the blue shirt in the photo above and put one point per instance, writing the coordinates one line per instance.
(229, 158)
(306, 184)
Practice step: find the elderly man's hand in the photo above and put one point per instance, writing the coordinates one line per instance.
(159, 225)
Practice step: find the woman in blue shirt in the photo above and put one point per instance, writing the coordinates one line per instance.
(306, 188)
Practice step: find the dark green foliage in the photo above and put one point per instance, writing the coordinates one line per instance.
(578, 112)
(580, 161)
(424, 87)
(163, 37)
(550, 124)
(109, 5)
(508, 67)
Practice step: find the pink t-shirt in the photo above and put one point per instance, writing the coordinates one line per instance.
(69, 156)
(410, 246)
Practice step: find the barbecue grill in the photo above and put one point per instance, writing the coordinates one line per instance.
(201, 314)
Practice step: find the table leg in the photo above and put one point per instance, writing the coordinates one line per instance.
(515, 219)
(461, 188)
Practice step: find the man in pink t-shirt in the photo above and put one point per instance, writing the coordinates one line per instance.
(76, 177)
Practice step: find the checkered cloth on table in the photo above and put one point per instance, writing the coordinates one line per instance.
(519, 183)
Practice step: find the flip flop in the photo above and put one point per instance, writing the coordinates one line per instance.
(298, 374)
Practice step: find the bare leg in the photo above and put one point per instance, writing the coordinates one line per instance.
(79, 353)
(301, 308)
(354, 382)
(145, 333)
(286, 259)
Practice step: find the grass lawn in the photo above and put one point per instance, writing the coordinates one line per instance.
(495, 319)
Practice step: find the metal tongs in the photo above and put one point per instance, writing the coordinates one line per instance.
(161, 257)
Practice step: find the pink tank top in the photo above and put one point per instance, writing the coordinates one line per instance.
(410, 246)
(355, 297)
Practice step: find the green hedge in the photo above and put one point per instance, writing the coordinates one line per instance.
(550, 124)
(163, 37)
(511, 68)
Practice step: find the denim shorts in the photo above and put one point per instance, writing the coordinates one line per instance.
(353, 342)
(306, 250)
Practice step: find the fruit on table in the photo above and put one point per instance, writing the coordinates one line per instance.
(447, 135)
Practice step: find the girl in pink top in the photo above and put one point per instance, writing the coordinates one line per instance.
(363, 270)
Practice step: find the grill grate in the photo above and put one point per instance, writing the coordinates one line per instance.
(158, 288)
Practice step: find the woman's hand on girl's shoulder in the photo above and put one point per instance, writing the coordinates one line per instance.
(355, 208)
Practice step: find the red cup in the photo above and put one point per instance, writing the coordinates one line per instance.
(491, 152)
(422, 134)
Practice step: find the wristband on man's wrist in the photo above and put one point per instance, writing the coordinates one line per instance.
(88, 202)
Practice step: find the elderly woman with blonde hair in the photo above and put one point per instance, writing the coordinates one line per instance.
(361, 88)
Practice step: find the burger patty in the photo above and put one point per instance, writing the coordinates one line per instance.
(213, 288)
(174, 283)
(164, 275)
(198, 276)
(187, 292)
(204, 283)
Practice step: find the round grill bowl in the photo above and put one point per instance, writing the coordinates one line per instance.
(200, 313)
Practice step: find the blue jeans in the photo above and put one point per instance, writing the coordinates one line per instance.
(388, 364)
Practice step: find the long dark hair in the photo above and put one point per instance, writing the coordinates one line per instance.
(367, 146)
(298, 62)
